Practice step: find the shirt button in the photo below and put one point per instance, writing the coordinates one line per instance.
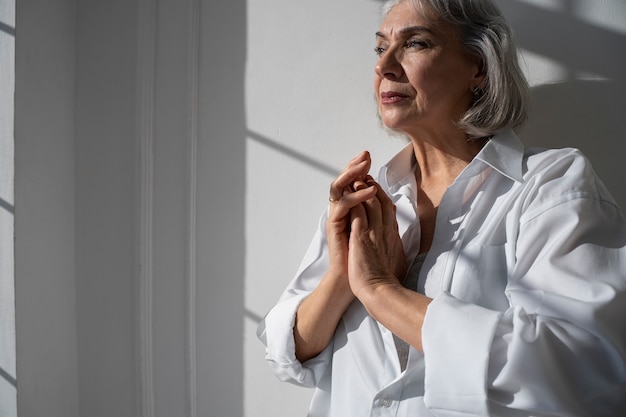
(387, 402)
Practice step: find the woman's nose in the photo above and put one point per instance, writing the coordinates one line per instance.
(389, 66)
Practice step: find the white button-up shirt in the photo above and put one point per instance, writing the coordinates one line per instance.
(527, 272)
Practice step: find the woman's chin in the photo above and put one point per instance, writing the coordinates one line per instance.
(398, 127)
(396, 133)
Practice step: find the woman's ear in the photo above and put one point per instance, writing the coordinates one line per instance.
(480, 73)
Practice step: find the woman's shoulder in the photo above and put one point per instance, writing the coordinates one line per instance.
(565, 173)
(555, 162)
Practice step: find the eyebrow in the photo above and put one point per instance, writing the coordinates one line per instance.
(408, 30)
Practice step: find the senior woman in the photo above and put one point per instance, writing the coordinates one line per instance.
(474, 277)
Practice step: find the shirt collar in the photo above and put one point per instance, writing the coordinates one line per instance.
(503, 152)
(399, 171)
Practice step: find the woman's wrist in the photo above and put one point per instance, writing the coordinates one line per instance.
(374, 291)
(337, 285)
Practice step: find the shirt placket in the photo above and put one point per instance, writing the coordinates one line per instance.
(386, 402)
(448, 240)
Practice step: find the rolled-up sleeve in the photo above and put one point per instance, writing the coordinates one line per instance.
(276, 333)
(276, 329)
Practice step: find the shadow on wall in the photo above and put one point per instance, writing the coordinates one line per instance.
(588, 115)
(577, 112)
(221, 191)
(563, 36)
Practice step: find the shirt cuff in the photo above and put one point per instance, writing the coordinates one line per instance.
(276, 333)
(457, 339)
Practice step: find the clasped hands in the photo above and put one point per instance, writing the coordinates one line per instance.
(364, 245)
(366, 260)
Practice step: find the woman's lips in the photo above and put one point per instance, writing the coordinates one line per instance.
(391, 97)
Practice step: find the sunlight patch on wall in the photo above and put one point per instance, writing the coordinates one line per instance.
(607, 14)
(542, 70)
(556, 5)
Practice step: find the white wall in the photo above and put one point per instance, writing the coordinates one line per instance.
(173, 158)
(310, 108)
(8, 389)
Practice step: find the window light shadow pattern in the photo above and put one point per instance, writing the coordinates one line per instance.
(288, 152)
(252, 316)
(563, 37)
(7, 206)
(8, 377)
(584, 107)
(7, 29)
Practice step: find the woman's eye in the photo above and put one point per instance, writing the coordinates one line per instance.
(416, 43)
(379, 50)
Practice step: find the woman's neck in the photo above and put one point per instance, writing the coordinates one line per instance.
(440, 159)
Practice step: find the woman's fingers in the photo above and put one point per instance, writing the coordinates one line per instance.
(341, 208)
(377, 209)
(356, 170)
(387, 208)
(380, 210)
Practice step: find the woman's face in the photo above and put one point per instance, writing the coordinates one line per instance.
(424, 78)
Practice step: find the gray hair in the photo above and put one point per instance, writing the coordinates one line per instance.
(503, 101)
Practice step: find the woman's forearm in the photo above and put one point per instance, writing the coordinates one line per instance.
(318, 315)
(400, 310)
